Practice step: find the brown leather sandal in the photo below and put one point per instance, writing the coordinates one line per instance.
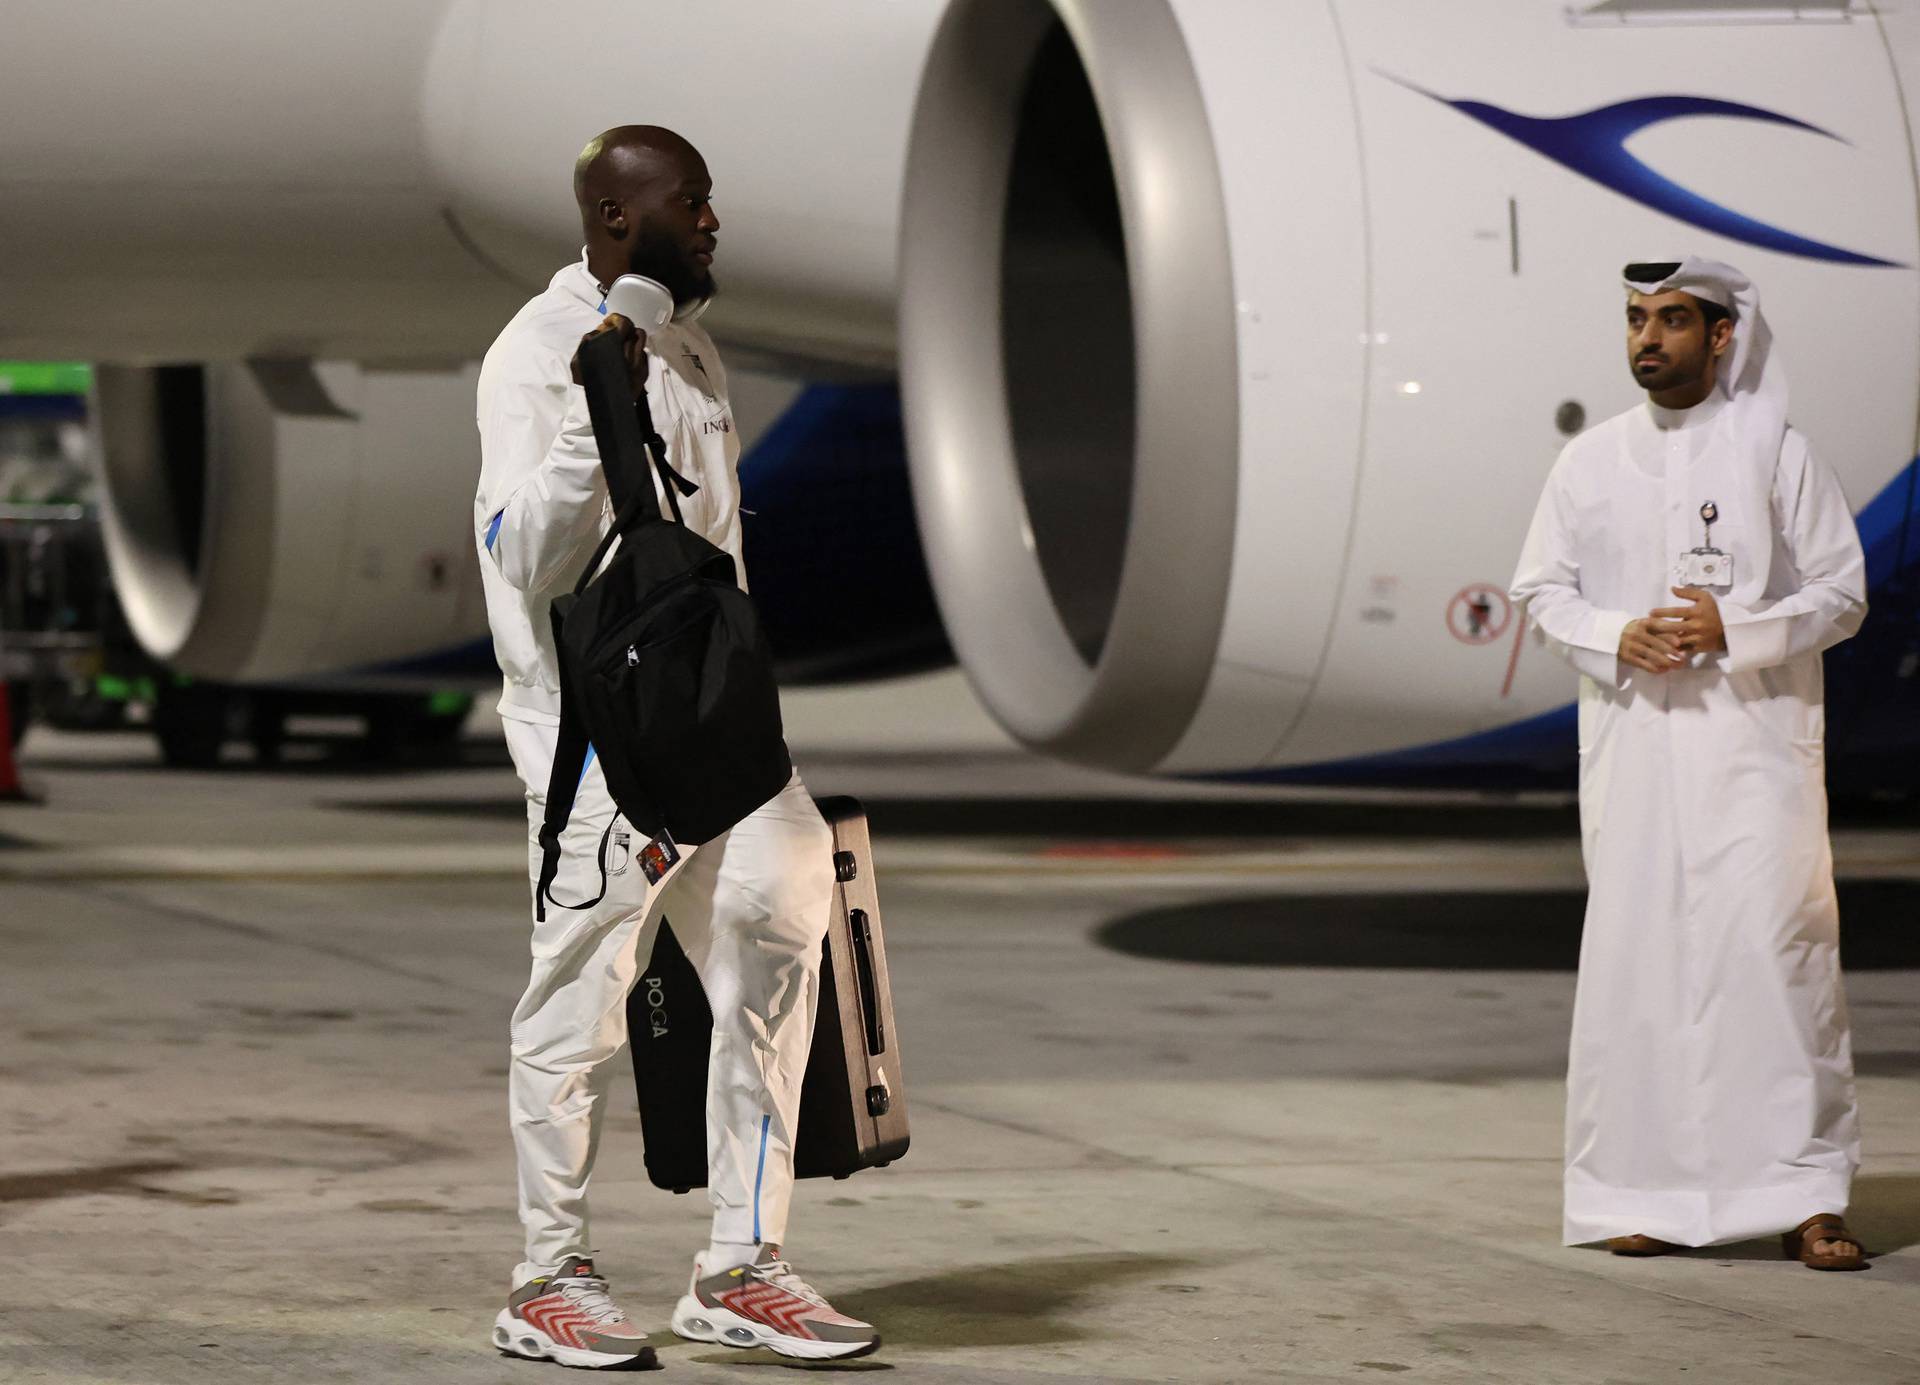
(1640, 1245)
(1798, 1244)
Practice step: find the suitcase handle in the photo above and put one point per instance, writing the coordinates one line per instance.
(861, 930)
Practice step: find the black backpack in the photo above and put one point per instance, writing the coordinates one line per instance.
(665, 673)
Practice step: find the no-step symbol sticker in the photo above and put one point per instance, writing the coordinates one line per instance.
(1479, 614)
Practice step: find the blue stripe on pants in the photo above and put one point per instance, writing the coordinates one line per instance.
(758, 1175)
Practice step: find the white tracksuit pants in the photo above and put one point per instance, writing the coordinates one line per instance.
(749, 909)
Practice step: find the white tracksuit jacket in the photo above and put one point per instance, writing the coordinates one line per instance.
(749, 908)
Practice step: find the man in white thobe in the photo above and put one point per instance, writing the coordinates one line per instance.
(1691, 559)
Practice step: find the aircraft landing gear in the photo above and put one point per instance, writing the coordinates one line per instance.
(191, 721)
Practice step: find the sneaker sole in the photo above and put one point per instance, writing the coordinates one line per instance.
(698, 1323)
(517, 1337)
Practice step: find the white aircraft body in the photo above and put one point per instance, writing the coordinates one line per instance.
(1235, 339)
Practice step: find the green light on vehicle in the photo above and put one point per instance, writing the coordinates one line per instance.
(112, 687)
(449, 704)
(45, 377)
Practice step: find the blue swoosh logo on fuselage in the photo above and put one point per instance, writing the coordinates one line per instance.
(1593, 144)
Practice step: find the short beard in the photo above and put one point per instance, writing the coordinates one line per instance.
(660, 260)
(1672, 375)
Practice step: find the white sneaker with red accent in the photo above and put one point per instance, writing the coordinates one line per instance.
(766, 1304)
(569, 1317)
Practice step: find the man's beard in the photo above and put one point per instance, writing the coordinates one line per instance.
(664, 262)
(1666, 375)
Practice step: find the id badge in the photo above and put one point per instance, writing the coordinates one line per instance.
(658, 857)
(1704, 567)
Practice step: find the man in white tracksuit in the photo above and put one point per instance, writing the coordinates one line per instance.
(749, 907)
(1710, 1093)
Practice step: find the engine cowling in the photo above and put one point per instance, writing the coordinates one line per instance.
(1102, 221)
(278, 520)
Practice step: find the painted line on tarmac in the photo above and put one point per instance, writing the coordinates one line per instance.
(1070, 864)
(897, 858)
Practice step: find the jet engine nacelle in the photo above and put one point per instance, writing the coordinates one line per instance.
(274, 520)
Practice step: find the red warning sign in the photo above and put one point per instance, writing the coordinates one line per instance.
(1479, 614)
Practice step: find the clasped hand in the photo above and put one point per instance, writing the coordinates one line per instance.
(1666, 638)
(633, 341)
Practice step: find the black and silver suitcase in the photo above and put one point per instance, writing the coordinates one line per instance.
(853, 1109)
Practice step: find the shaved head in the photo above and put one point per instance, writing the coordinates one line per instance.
(643, 193)
(616, 161)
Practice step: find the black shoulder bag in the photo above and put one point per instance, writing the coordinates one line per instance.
(665, 673)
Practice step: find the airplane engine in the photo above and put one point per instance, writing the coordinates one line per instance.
(279, 519)
(282, 521)
(1122, 275)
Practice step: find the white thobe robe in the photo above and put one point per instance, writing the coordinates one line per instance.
(1710, 1093)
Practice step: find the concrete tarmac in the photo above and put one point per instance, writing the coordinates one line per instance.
(1206, 1086)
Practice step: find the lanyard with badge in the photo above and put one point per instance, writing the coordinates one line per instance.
(1705, 566)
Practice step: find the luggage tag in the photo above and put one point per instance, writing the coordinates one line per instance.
(1705, 566)
(658, 857)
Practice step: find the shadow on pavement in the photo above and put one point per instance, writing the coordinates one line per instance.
(1025, 1303)
(1886, 1211)
(1527, 930)
(1148, 819)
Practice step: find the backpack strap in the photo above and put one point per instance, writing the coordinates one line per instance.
(671, 481)
(563, 786)
(626, 437)
(638, 502)
(617, 428)
(623, 519)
